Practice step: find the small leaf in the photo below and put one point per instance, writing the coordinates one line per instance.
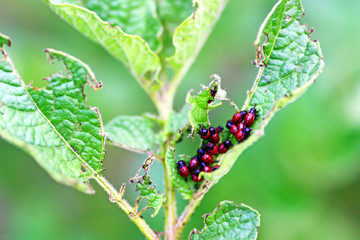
(190, 36)
(154, 197)
(4, 40)
(177, 121)
(53, 124)
(172, 14)
(291, 62)
(131, 50)
(203, 102)
(134, 133)
(229, 221)
(178, 181)
(135, 17)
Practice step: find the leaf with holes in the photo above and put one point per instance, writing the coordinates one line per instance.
(53, 124)
(208, 98)
(120, 30)
(134, 133)
(289, 62)
(229, 221)
(143, 183)
(154, 197)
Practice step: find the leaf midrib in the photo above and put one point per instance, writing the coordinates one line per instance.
(132, 70)
(8, 59)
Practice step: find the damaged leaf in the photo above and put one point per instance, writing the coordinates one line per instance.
(200, 104)
(289, 62)
(229, 221)
(53, 124)
(143, 183)
(131, 50)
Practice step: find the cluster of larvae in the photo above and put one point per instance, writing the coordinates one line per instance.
(203, 161)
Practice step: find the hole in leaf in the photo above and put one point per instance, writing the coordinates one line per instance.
(83, 168)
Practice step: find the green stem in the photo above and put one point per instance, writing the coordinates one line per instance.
(190, 208)
(164, 105)
(170, 204)
(124, 205)
(171, 222)
(170, 207)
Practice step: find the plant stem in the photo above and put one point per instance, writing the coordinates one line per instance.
(190, 208)
(124, 205)
(170, 207)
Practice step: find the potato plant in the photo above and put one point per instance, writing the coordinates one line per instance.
(157, 41)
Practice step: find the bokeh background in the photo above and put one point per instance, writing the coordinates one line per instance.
(303, 176)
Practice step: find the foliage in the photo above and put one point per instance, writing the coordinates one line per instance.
(155, 198)
(289, 63)
(53, 124)
(229, 221)
(157, 41)
(134, 133)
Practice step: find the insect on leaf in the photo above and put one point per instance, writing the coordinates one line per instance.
(208, 98)
(289, 62)
(185, 188)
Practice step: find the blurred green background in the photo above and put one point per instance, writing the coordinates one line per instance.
(303, 176)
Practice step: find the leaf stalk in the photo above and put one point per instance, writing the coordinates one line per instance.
(125, 206)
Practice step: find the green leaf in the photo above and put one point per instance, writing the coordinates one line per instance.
(291, 62)
(229, 221)
(134, 133)
(177, 121)
(131, 50)
(177, 180)
(53, 124)
(135, 17)
(172, 14)
(191, 35)
(4, 40)
(201, 103)
(155, 198)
